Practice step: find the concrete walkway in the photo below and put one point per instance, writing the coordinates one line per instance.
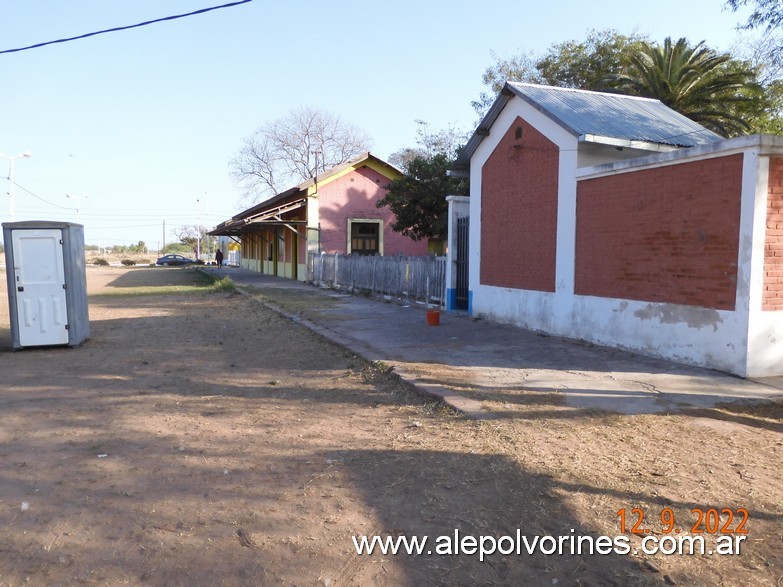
(464, 356)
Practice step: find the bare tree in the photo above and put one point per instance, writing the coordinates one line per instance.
(292, 149)
(190, 235)
(431, 143)
(763, 53)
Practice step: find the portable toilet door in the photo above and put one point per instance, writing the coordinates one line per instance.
(46, 291)
(39, 278)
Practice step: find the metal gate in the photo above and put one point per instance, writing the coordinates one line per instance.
(461, 294)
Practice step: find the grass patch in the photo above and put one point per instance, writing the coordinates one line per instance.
(223, 285)
(218, 284)
(157, 290)
(147, 282)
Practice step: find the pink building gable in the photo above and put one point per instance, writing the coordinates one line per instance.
(352, 198)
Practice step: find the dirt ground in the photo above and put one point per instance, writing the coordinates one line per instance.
(199, 438)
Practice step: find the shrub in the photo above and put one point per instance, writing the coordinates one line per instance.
(102, 262)
(224, 285)
(128, 262)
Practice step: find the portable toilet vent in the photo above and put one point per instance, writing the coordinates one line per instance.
(47, 283)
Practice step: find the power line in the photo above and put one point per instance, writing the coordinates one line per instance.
(124, 28)
(40, 198)
(157, 224)
(92, 228)
(125, 211)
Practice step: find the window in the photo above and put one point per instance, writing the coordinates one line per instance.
(365, 237)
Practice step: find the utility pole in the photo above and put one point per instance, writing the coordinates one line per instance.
(11, 159)
(209, 244)
(78, 209)
(164, 236)
(198, 231)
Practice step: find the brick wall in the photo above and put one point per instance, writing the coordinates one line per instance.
(772, 298)
(519, 211)
(669, 234)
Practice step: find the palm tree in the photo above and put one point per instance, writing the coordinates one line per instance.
(710, 88)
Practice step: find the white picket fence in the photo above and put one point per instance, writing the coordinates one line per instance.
(412, 278)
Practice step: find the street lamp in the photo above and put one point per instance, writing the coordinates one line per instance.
(78, 199)
(11, 159)
(198, 230)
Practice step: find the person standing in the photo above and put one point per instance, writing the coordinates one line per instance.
(219, 258)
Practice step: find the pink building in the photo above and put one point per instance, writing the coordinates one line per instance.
(616, 220)
(335, 212)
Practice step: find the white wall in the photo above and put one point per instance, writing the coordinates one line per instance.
(765, 332)
(595, 154)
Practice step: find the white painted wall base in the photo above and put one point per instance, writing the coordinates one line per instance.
(688, 334)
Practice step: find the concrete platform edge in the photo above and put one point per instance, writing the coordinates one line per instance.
(468, 407)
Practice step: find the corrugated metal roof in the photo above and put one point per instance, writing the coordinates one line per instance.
(598, 115)
(615, 115)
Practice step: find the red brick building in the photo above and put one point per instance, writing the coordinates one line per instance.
(616, 220)
(335, 212)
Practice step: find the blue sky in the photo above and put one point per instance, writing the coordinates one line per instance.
(145, 120)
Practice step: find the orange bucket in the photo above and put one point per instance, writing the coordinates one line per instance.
(433, 317)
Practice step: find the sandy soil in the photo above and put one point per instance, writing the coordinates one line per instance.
(199, 438)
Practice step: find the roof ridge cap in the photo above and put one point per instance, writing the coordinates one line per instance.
(579, 90)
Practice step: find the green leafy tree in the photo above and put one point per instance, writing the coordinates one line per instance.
(140, 247)
(764, 55)
(585, 64)
(769, 119)
(766, 14)
(418, 199)
(519, 68)
(730, 93)
(571, 64)
(708, 87)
